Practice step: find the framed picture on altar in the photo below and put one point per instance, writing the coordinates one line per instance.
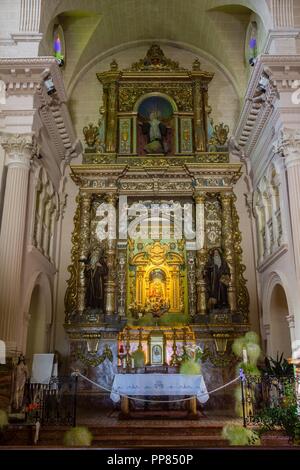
(156, 354)
(157, 348)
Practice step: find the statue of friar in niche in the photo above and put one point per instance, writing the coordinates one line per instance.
(95, 274)
(217, 277)
(156, 133)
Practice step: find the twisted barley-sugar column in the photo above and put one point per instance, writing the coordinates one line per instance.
(111, 255)
(227, 232)
(19, 151)
(201, 255)
(85, 211)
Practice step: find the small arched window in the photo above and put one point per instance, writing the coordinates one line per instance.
(59, 44)
(251, 43)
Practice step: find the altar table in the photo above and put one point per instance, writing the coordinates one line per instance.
(159, 385)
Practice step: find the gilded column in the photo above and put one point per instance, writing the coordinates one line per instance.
(191, 275)
(122, 256)
(19, 150)
(84, 242)
(201, 253)
(199, 129)
(111, 136)
(227, 235)
(109, 81)
(111, 254)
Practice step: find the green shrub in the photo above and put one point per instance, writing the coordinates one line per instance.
(78, 437)
(253, 351)
(240, 436)
(3, 419)
(237, 346)
(190, 367)
(249, 369)
(251, 337)
(278, 367)
(139, 358)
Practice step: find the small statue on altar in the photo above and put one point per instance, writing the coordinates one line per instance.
(217, 278)
(95, 273)
(19, 379)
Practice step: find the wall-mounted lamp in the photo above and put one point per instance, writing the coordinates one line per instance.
(48, 82)
(92, 345)
(221, 340)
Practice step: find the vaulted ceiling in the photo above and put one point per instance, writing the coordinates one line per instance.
(95, 28)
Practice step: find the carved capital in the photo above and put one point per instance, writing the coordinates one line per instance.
(111, 199)
(200, 197)
(226, 198)
(19, 149)
(288, 144)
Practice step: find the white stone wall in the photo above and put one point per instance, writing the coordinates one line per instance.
(270, 141)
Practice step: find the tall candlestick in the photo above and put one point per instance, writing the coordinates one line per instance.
(245, 356)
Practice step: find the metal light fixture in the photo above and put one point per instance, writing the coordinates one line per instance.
(92, 345)
(221, 340)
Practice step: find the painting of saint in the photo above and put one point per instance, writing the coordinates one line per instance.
(155, 126)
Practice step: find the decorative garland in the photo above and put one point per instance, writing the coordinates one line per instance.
(95, 360)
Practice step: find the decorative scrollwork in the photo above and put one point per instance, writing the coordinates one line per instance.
(94, 360)
(242, 291)
(182, 94)
(71, 292)
(90, 133)
(218, 359)
(155, 60)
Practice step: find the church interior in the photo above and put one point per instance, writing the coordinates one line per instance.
(149, 211)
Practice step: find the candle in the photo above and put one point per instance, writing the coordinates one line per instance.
(132, 363)
(245, 356)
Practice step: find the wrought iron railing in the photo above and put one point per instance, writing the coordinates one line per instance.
(264, 392)
(54, 403)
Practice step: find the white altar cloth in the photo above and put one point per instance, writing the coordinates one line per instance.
(159, 384)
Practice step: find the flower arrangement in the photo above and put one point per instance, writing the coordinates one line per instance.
(194, 352)
(190, 360)
(32, 411)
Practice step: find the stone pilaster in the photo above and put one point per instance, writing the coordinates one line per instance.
(290, 146)
(18, 150)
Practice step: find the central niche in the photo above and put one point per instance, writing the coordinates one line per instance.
(156, 278)
(155, 131)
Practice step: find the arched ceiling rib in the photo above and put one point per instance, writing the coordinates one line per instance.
(215, 26)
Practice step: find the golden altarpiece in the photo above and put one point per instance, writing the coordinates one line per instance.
(155, 147)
